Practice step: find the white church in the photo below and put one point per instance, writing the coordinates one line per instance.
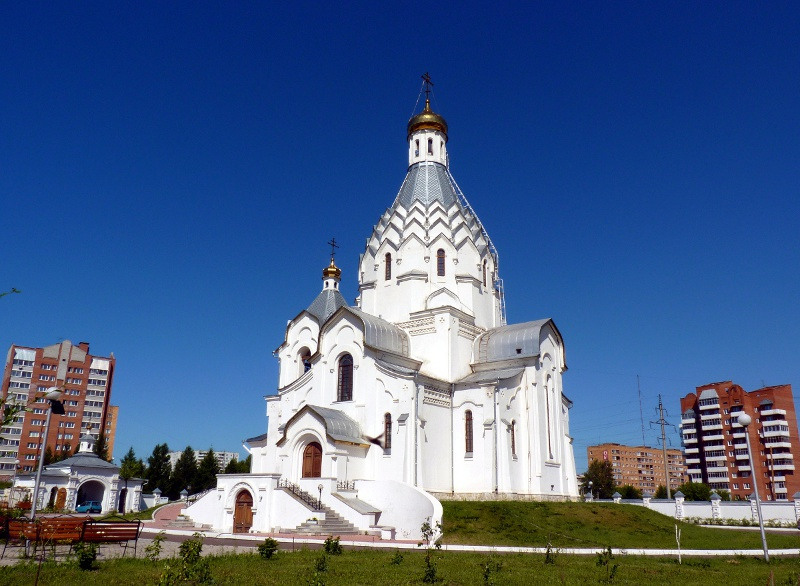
(419, 391)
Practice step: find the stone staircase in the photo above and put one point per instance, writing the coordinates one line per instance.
(184, 522)
(332, 524)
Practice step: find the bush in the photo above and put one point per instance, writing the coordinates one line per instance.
(332, 546)
(190, 568)
(267, 549)
(86, 554)
(153, 551)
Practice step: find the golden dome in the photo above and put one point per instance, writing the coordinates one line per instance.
(331, 271)
(427, 119)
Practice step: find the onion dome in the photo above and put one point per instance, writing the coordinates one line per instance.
(427, 120)
(332, 271)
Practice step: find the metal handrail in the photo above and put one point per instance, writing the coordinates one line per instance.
(312, 502)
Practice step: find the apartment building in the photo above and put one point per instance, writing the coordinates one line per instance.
(641, 466)
(222, 458)
(86, 383)
(715, 444)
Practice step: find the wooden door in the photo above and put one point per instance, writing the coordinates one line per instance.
(61, 498)
(312, 461)
(243, 513)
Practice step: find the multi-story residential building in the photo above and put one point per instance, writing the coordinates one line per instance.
(716, 446)
(641, 466)
(111, 428)
(222, 458)
(86, 383)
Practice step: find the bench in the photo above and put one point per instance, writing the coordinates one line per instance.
(61, 531)
(20, 533)
(121, 532)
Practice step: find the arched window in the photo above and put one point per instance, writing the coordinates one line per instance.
(388, 270)
(430, 146)
(468, 431)
(305, 359)
(440, 262)
(484, 272)
(345, 383)
(387, 432)
(514, 438)
(416, 148)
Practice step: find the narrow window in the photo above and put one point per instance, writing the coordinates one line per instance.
(484, 273)
(305, 359)
(440, 262)
(430, 146)
(387, 432)
(468, 431)
(345, 384)
(416, 149)
(514, 438)
(388, 271)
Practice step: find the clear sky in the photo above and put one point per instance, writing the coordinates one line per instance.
(171, 172)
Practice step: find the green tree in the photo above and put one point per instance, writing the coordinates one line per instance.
(159, 470)
(48, 456)
(101, 447)
(239, 466)
(207, 472)
(724, 494)
(184, 474)
(695, 491)
(629, 492)
(601, 475)
(131, 466)
(661, 492)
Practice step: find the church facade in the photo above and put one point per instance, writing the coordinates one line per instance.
(420, 390)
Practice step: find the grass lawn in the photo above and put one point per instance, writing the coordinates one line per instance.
(533, 524)
(377, 568)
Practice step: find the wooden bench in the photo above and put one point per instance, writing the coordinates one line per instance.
(20, 533)
(65, 530)
(121, 532)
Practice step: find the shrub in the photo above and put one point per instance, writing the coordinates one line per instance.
(490, 566)
(604, 561)
(397, 559)
(191, 567)
(332, 546)
(267, 549)
(153, 551)
(86, 554)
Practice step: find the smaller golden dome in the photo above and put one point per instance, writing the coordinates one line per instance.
(331, 271)
(427, 119)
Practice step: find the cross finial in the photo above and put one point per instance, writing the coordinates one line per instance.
(426, 79)
(333, 246)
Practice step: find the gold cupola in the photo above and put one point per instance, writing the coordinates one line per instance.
(332, 271)
(427, 120)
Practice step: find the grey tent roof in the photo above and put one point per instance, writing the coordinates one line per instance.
(511, 341)
(325, 304)
(427, 182)
(708, 394)
(380, 334)
(491, 375)
(258, 438)
(338, 425)
(84, 460)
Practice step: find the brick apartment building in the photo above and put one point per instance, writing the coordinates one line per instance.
(716, 447)
(641, 466)
(86, 382)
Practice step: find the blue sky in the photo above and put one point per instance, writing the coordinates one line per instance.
(170, 175)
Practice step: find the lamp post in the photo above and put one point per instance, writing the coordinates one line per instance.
(53, 395)
(591, 494)
(319, 502)
(744, 421)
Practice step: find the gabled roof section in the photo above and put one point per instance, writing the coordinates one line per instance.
(84, 460)
(379, 333)
(326, 304)
(427, 182)
(708, 394)
(495, 374)
(339, 426)
(511, 341)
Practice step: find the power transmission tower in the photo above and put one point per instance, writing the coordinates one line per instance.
(663, 422)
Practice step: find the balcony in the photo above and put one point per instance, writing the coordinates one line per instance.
(743, 467)
(782, 467)
(719, 458)
(786, 456)
(690, 440)
(709, 406)
(692, 461)
(707, 416)
(742, 456)
(768, 412)
(693, 471)
(711, 426)
(778, 433)
(710, 469)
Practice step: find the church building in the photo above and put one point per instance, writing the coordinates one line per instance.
(418, 391)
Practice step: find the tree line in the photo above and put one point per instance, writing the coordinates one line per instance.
(601, 475)
(187, 473)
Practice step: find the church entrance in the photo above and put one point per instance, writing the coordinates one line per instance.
(312, 461)
(243, 513)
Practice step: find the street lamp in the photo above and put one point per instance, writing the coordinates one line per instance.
(591, 494)
(319, 502)
(53, 395)
(744, 421)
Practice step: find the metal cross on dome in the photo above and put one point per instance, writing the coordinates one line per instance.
(426, 79)
(334, 246)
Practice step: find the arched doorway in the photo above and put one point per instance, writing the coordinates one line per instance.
(91, 491)
(123, 496)
(52, 502)
(243, 513)
(312, 461)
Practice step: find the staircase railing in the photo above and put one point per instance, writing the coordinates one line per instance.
(312, 502)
